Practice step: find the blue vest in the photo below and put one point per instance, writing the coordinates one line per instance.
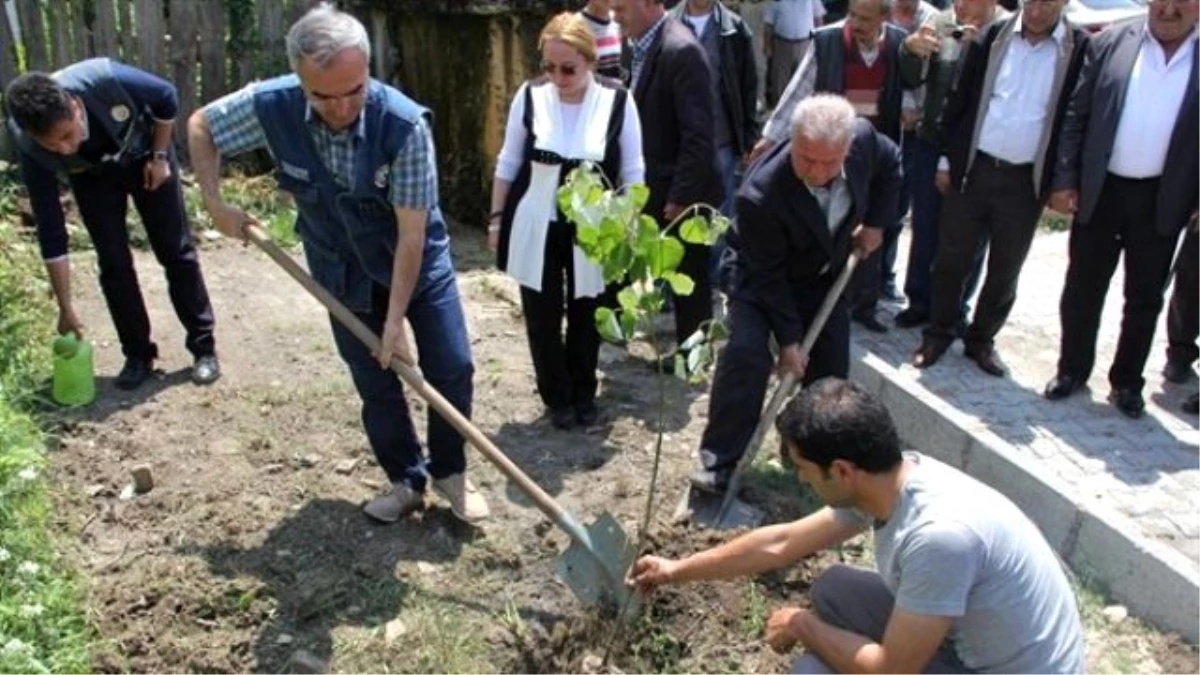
(120, 117)
(349, 234)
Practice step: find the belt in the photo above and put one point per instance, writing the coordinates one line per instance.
(997, 163)
(803, 39)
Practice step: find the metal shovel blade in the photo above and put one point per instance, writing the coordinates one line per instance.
(597, 576)
(704, 508)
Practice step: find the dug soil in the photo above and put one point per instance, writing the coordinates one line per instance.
(251, 553)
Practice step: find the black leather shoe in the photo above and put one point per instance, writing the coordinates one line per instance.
(1192, 404)
(587, 414)
(1177, 372)
(871, 322)
(988, 361)
(1063, 385)
(714, 481)
(1129, 401)
(562, 418)
(206, 370)
(134, 373)
(927, 354)
(911, 318)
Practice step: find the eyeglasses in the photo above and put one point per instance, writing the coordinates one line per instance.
(567, 69)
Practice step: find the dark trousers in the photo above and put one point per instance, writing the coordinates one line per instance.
(879, 270)
(744, 367)
(1183, 315)
(999, 203)
(858, 601)
(565, 369)
(920, 167)
(103, 200)
(692, 311)
(436, 316)
(1123, 222)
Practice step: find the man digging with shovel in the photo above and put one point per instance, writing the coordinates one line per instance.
(966, 582)
(358, 157)
(798, 216)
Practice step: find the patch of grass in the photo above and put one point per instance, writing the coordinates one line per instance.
(1052, 221)
(42, 622)
(754, 621)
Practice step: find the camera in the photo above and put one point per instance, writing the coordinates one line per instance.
(954, 32)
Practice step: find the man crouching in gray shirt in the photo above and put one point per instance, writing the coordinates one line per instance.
(965, 582)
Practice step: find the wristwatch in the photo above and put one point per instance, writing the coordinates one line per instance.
(162, 155)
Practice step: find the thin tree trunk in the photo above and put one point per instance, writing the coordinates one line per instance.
(33, 34)
(183, 63)
(104, 29)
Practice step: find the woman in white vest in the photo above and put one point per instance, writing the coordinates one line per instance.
(557, 120)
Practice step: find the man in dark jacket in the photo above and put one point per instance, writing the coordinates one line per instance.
(1001, 126)
(1133, 115)
(673, 88)
(859, 59)
(799, 212)
(730, 50)
(108, 127)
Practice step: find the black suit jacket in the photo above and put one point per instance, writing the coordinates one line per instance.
(675, 104)
(781, 240)
(963, 102)
(1090, 127)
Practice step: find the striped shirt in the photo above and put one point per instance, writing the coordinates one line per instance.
(236, 128)
(608, 44)
(641, 49)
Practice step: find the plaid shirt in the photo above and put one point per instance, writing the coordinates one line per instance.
(641, 49)
(236, 129)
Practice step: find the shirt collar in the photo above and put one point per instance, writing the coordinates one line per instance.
(1058, 34)
(1189, 41)
(644, 42)
(310, 117)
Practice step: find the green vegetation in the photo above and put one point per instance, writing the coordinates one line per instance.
(42, 623)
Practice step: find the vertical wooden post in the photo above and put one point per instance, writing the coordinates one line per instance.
(33, 34)
(213, 76)
(104, 29)
(58, 16)
(125, 34)
(8, 55)
(183, 64)
(151, 37)
(81, 32)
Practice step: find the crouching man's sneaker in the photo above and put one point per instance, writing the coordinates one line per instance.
(465, 500)
(395, 503)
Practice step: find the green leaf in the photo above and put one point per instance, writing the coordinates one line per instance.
(608, 326)
(663, 256)
(680, 370)
(681, 284)
(629, 325)
(718, 331)
(639, 194)
(695, 230)
(628, 299)
(693, 341)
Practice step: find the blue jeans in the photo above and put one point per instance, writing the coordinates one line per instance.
(920, 168)
(436, 315)
(730, 165)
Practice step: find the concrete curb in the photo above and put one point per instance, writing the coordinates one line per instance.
(1155, 582)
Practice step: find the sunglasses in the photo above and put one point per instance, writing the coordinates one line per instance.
(567, 69)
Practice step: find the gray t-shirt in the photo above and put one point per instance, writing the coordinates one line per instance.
(956, 547)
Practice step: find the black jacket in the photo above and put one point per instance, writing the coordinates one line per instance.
(674, 101)
(739, 76)
(963, 103)
(781, 241)
(1090, 127)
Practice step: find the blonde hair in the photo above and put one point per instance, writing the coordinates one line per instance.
(571, 29)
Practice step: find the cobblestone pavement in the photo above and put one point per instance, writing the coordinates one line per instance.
(1147, 469)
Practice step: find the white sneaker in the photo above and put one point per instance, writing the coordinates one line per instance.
(467, 504)
(395, 503)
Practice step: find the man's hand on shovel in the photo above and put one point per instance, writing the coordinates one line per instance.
(231, 221)
(792, 360)
(866, 240)
(394, 342)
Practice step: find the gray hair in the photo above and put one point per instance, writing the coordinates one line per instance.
(322, 33)
(823, 118)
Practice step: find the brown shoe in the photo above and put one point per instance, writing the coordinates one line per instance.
(988, 360)
(927, 354)
(466, 502)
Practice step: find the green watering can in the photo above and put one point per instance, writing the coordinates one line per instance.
(74, 378)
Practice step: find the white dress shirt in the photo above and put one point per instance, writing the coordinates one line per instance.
(1020, 101)
(1153, 98)
(793, 19)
